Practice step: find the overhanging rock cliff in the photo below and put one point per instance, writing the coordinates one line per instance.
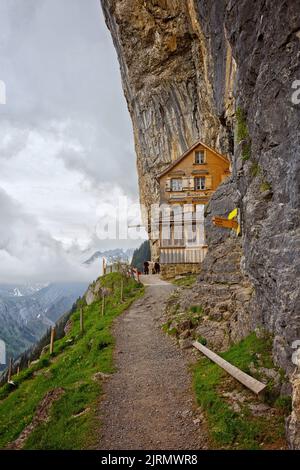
(168, 80)
(197, 69)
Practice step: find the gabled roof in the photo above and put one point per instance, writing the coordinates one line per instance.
(186, 153)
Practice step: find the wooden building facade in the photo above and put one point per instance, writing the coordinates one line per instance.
(185, 186)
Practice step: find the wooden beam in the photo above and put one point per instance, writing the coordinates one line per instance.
(254, 385)
(225, 223)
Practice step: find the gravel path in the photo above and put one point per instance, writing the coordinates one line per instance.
(148, 402)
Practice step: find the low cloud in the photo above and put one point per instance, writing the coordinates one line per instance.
(29, 252)
(66, 148)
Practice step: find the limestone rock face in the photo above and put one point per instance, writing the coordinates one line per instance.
(96, 292)
(266, 44)
(293, 423)
(167, 72)
(181, 64)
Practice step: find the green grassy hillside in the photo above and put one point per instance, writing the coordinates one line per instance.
(71, 421)
(236, 418)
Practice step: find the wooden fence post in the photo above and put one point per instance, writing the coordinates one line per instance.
(18, 370)
(81, 321)
(52, 339)
(122, 290)
(10, 370)
(103, 305)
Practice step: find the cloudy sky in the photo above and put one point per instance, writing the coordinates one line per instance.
(66, 148)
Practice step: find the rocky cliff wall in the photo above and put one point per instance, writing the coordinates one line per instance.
(168, 75)
(202, 68)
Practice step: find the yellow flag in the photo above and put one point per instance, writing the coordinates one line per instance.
(233, 214)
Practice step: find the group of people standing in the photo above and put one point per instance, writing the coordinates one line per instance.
(155, 269)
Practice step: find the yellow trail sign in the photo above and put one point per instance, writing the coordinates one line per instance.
(229, 222)
(225, 223)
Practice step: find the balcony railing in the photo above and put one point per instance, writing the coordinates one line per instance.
(191, 193)
(182, 255)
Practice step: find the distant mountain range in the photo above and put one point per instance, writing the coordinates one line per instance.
(20, 290)
(117, 254)
(27, 311)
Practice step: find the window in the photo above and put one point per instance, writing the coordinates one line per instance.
(176, 184)
(199, 183)
(199, 157)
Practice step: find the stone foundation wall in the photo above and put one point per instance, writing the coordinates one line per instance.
(169, 271)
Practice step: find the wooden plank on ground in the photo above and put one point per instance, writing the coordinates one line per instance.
(245, 379)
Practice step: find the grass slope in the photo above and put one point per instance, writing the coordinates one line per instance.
(185, 280)
(240, 430)
(77, 357)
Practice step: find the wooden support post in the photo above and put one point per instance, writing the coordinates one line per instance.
(18, 370)
(10, 369)
(52, 339)
(249, 382)
(81, 321)
(103, 305)
(103, 266)
(122, 290)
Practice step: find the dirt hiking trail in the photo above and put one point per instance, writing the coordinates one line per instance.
(148, 403)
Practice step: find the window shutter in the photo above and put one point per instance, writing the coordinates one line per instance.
(168, 184)
(191, 183)
(185, 183)
(208, 182)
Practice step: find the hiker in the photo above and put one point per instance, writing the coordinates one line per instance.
(146, 267)
(157, 268)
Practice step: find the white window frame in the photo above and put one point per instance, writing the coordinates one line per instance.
(202, 186)
(179, 182)
(197, 152)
